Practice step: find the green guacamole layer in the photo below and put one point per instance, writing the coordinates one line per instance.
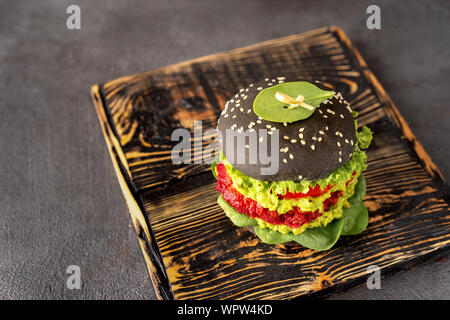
(266, 192)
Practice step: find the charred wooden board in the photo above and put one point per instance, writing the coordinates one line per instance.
(191, 248)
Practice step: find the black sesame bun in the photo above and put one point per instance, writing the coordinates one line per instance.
(309, 149)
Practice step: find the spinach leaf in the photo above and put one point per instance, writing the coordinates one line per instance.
(271, 236)
(269, 108)
(360, 190)
(320, 238)
(239, 219)
(355, 219)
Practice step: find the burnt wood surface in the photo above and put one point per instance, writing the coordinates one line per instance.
(191, 249)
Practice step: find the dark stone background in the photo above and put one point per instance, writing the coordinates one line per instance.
(60, 202)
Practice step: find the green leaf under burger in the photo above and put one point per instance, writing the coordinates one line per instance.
(356, 218)
(320, 238)
(270, 236)
(269, 108)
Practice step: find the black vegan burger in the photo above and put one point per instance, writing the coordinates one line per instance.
(314, 194)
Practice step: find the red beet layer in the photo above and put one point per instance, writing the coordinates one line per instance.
(294, 218)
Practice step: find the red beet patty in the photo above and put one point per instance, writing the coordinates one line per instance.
(294, 218)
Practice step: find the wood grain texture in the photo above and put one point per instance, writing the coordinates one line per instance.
(191, 248)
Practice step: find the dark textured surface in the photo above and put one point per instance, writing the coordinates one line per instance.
(59, 197)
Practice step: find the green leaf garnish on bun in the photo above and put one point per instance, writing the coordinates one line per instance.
(281, 102)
